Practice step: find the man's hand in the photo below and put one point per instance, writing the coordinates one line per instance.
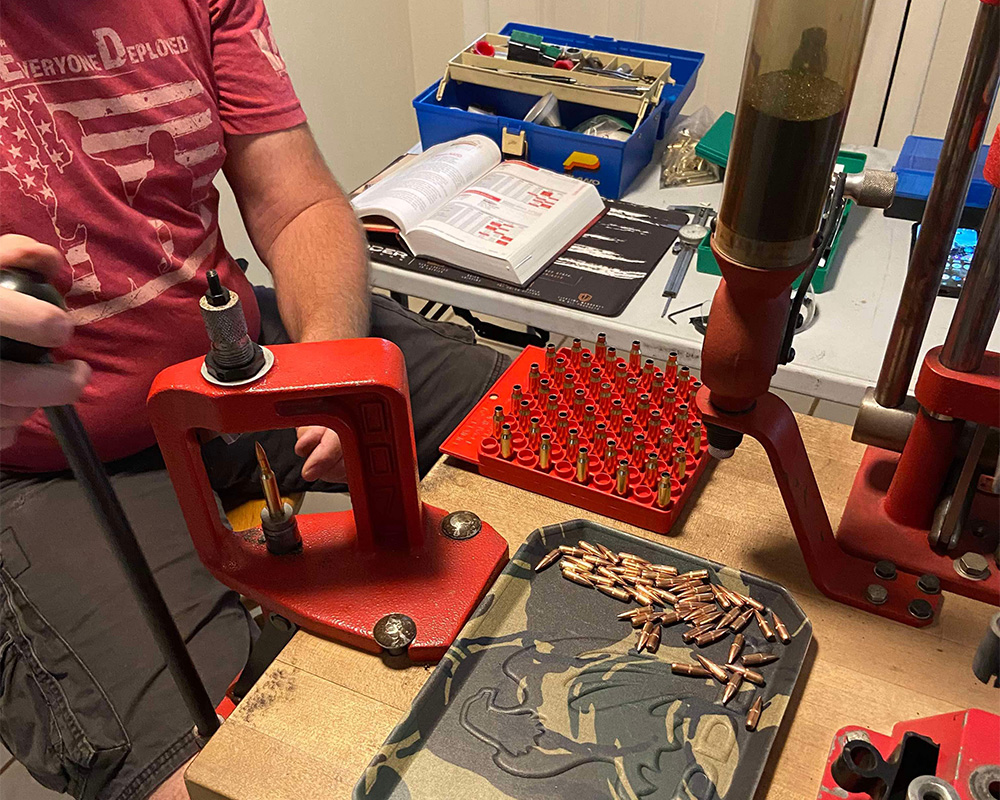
(321, 449)
(27, 387)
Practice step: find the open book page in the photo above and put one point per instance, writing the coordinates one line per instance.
(417, 190)
(505, 212)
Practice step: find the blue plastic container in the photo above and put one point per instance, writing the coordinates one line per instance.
(916, 165)
(620, 162)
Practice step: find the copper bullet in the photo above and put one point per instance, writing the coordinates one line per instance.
(664, 569)
(750, 675)
(662, 595)
(548, 559)
(753, 715)
(717, 672)
(647, 629)
(728, 618)
(755, 604)
(721, 598)
(550, 357)
(692, 634)
(645, 597)
(779, 628)
(765, 629)
(690, 670)
(608, 553)
(621, 478)
(732, 687)
(577, 577)
(506, 442)
(741, 621)
(534, 376)
(641, 619)
(706, 617)
(569, 550)
(615, 592)
(576, 561)
(641, 581)
(593, 560)
(634, 612)
(497, 421)
(601, 580)
(633, 558)
(601, 348)
(545, 452)
(688, 613)
(710, 637)
(653, 642)
(736, 648)
(591, 548)
(758, 659)
(668, 617)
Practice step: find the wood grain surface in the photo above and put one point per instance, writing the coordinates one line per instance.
(310, 726)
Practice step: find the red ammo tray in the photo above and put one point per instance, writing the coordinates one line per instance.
(627, 383)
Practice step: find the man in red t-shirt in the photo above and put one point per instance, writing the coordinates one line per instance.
(113, 123)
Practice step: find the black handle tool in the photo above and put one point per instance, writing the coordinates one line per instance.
(90, 474)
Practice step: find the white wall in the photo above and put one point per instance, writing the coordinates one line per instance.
(357, 66)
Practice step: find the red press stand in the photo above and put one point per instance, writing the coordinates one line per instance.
(965, 745)
(387, 556)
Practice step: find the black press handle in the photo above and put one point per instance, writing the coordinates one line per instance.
(33, 284)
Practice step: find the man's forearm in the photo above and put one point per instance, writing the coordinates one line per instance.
(320, 266)
(304, 230)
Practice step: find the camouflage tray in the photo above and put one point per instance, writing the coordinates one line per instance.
(543, 696)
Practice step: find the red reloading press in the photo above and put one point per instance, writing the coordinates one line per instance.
(923, 511)
(393, 573)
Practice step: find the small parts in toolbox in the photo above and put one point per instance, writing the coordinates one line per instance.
(943, 757)
(681, 165)
(484, 48)
(545, 112)
(645, 445)
(605, 126)
(986, 661)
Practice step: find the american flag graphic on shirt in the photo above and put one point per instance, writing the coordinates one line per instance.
(45, 126)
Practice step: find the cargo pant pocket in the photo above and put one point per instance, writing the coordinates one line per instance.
(54, 716)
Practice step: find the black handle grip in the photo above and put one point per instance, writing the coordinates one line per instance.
(31, 283)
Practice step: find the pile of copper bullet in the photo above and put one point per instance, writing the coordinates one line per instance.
(615, 424)
(667, 597)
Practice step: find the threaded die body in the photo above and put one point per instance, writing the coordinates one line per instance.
(233, 356)
(281, 535)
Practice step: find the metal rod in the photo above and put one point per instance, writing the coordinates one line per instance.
(89, 472)
(979, 304)
(976, 91)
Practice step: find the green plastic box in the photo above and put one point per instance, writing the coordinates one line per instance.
(714, 147)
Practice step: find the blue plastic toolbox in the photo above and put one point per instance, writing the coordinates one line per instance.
(618, 162)
(918, 159)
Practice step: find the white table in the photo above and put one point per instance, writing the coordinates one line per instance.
(836, 358)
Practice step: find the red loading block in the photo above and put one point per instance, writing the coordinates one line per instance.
(618, 385)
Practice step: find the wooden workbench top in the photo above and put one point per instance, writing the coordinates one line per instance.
(310, 726)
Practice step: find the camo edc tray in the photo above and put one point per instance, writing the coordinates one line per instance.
(544, 696)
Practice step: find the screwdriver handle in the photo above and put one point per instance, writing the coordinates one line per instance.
(96, 486)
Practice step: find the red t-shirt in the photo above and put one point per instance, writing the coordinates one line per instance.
(112, 116)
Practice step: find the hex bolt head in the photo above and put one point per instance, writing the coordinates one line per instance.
(394, 633)
(920, 609)
(973, 566)
(876, 594)
(929, 584)
(885, 570)
(461, 525)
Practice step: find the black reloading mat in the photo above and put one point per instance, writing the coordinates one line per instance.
(542, 695)
(635, 237)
